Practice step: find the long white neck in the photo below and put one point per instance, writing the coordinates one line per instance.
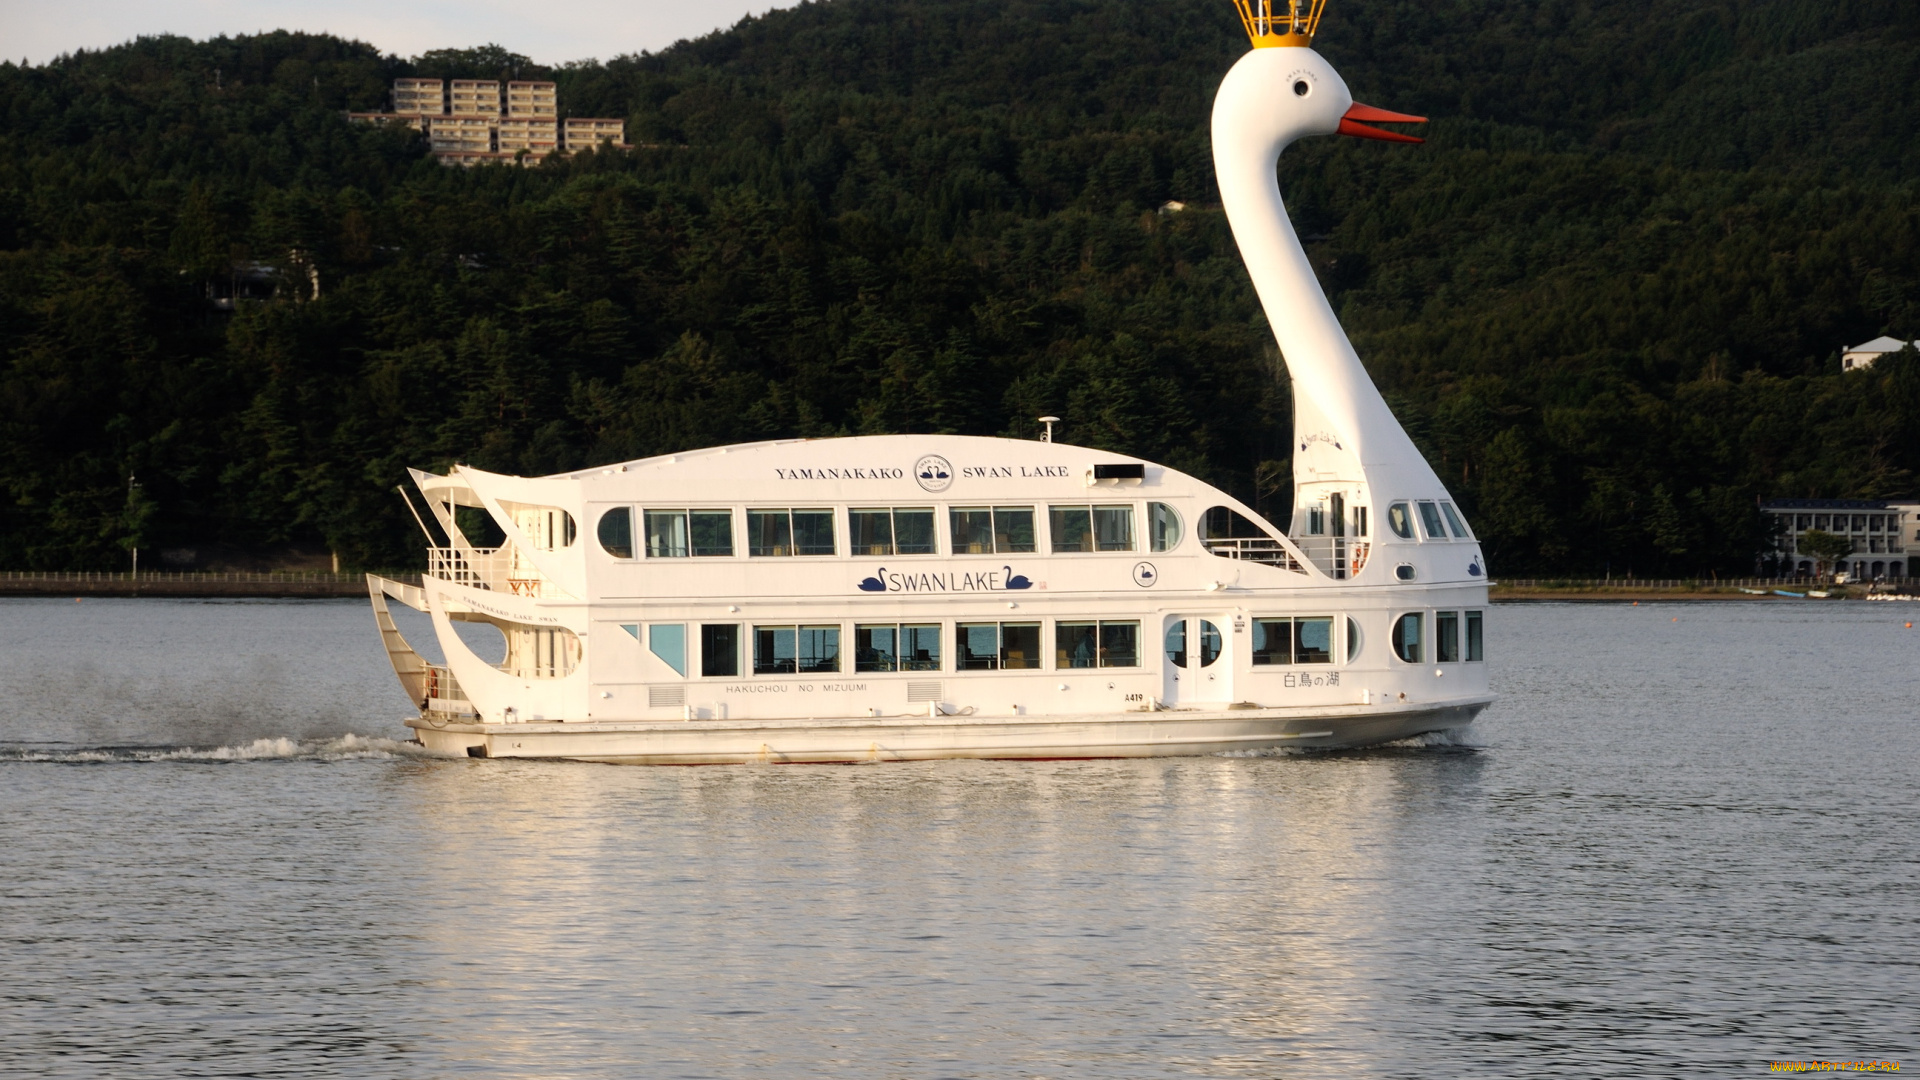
(1345, 437)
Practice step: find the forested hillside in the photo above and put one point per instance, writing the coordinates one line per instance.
(1607, 296)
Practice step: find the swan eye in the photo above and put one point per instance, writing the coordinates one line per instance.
(1301, 88)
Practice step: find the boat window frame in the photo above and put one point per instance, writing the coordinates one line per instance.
(792, 532)
(1475, 651)
(678, 661)
(1456, 521)
(861, 551)
(1398, 639)
(1446, 637)
(1059, 512)
(798, 630)
(1400, 519)
(1165, 528)
(1297, 654)
(707, 654)
(995, 531)
(923, 632)
(1432, 527)
(686, 515)
(600, 531)
(1100, 643)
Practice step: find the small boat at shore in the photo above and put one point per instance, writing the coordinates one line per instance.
(905, 597)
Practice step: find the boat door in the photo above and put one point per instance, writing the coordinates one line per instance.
(1194, 651)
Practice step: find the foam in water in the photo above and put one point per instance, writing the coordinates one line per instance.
(1457, 739)
(348, 747)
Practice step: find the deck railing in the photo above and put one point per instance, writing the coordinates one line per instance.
(443, 691)
(1257, 549)
(488, 568)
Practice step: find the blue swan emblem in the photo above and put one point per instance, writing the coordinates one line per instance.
(933, 472)
(1016, 581)
(1474, 568)
(876, 583)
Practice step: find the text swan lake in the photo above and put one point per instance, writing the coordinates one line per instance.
(999, 580)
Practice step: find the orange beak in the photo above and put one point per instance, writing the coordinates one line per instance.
(1351, 124)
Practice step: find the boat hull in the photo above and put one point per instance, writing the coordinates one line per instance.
(1167, 733)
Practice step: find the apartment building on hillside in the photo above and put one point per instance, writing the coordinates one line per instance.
(471, 122)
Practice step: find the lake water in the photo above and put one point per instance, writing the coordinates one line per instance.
(1686, 840)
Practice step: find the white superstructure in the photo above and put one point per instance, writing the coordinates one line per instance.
(915, 596)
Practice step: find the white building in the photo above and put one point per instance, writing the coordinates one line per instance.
(1883, 532)
(1862, 357)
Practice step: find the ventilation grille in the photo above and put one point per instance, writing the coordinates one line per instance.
(666, 695)
(925, 691)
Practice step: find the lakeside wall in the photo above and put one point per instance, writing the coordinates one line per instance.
(314, 584)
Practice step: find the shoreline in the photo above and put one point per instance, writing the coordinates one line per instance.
(234, 585)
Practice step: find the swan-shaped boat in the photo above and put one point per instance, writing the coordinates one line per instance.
(928, 596)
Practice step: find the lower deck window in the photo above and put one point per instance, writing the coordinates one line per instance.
(668, 641)
(1446, 637)
(1293, 641)
(1406, 637)
(1476, 641)
(997, 646)
(791, 650)
(720, 650)
(1097, 644)
(896, 647)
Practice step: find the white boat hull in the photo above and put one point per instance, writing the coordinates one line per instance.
(1167, 733)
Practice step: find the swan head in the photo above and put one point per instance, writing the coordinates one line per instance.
(1274, 96)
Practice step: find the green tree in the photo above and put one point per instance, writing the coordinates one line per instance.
(1826, 549)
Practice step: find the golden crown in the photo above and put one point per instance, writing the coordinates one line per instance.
(1295, 25)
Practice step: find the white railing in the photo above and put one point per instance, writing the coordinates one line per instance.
(1259, 549)
(481, 568)
(443, 691)
(489, 568)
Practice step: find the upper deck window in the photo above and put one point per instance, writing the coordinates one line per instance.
(1430, 521)
(616, 532)
(1455, 523)
(677, 534)
(998, 530)
(790, 532)
(1400, 520)
(1091, 528)
(902, 530)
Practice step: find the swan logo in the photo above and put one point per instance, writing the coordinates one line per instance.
(1000, 580)
(1144, 575)
(933, 472)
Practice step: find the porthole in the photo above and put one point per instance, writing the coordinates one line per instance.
(1302, 88)
(616, 532)
(1404, 571)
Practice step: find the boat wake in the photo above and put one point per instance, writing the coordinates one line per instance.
(348, 747)
(1455, 739)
